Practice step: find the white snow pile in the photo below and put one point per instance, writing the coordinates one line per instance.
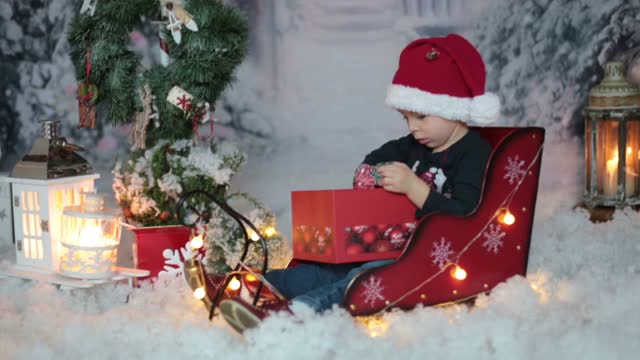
(578, 301)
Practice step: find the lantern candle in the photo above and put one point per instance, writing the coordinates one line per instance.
(90, 238)
(630, 173)
(611, 181)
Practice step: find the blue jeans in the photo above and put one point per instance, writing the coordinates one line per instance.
(318, 285)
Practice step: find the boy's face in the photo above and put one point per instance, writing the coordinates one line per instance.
(430, 130)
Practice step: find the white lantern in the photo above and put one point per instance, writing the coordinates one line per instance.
(37, 210)
(50, 177)
(89, 239)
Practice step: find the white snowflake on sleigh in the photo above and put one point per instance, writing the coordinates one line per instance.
(174, 261)
(373, 290)
(494, 238)
(441, 252)
(515, 170)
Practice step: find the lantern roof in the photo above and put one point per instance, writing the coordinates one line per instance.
(51, 157)
(614, 92)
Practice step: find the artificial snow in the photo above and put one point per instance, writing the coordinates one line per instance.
(578, 300)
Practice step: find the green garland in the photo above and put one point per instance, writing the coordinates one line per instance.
(203, 65)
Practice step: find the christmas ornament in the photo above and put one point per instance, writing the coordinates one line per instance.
(138, 134)
(178, 16)
(165, 215)
(88, 7)
(165, 53)
(354, 249)
(200, 115)
(87, 96)
(180, 98)
(397, 236)
(369, 236)
(382, 246)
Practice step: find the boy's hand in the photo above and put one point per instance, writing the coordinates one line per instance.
(397, 177)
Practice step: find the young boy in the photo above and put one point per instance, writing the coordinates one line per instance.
(439, 87)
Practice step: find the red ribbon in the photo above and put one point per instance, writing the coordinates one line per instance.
(88, 65)
(164, 46)
(196, 132)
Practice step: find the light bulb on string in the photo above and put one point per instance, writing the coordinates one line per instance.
(270, 231)
(376, 326)
(254, 235)
(250, 277)
(199, 293)
(234, 284)
(506, 217)
(197, 242)
(458, 273)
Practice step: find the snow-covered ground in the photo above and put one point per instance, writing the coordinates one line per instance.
(578, 301)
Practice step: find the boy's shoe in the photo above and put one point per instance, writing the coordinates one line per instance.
(242, 315)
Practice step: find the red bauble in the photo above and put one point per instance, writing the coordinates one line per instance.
(307, 236)
(314, 249)
(127, 212)
(382, 246)
(165, 215)
(299, 248)
(328, 251)
(397, 236)
(354, 249)
(370, 236)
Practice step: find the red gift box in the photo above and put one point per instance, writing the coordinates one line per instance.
(350, 225)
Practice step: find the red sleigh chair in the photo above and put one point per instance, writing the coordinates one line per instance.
(447, 258)
(452, 258)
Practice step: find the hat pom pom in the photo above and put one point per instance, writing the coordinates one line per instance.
(485, 108)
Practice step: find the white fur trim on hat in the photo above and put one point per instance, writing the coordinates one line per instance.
(483, 109)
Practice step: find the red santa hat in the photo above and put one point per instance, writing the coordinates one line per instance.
(443, 76)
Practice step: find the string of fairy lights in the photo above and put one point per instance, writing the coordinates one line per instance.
(502, 213)
(504, 216)
(197, 242)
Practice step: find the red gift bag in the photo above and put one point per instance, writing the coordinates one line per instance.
(162, 250)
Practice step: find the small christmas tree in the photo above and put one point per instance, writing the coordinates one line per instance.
(167, 105)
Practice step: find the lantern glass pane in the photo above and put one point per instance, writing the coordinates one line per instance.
(633, 158)
(89, 245)
(587, 153)
(607, 156)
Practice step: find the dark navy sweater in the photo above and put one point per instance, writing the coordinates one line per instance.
(454, 175)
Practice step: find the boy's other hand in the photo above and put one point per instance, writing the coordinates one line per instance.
(397, 177)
